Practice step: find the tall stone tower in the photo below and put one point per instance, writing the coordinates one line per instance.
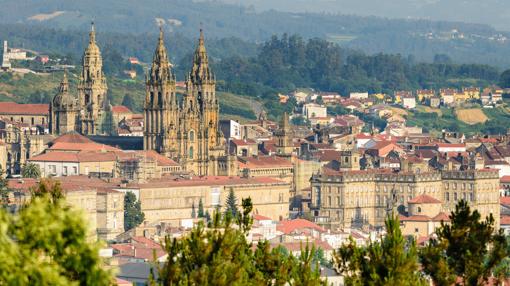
(284, 136)
(201, 141)
(64, 110)
(92, 88)
(161, 109)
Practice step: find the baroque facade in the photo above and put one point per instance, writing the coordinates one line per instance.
(363, 198)
(188, 130)
(90, 113)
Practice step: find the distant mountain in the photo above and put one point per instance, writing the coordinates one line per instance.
(421, 38)
(492, 12)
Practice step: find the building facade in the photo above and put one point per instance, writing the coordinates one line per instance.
(363, 198)
(186, 131)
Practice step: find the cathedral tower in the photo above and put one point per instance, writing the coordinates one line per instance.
(161, 110)
(284, 136)
(63, 110)
(92, 88)
(201, 141)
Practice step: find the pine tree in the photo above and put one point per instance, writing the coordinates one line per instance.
(201, 213)
(393, 261)
(193, 213)
(231, 204)
(468, 248)
(133, 214)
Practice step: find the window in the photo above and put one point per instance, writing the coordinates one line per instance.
(447, 196)
(190, 152)
(416, 230)
(471, 197)
(192, 136)
(215, 197)
(64, 171)
(419, 209)
(32, 120)
(53, 169)
(75, 170)
(455, 196)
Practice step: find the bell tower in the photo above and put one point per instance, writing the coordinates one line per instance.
(92, 88)
(161, 110)
(63, 110)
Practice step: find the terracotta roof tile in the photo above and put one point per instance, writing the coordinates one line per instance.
(442, 216)
(424, 199)
(505, 220)
(13, 108)
(120, 109)
(289, 226)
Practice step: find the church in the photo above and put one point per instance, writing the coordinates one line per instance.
(186, 130)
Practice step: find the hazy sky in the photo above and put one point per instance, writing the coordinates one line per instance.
(493, 12)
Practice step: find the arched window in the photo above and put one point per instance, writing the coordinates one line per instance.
(190, 152)
(419, 209)
(192, 136)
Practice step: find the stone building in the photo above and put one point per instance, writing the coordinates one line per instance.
(186, 131)
(90, 113)
(363, 198)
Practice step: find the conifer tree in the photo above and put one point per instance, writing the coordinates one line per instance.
(392, 261)
(467, 248)
(4, 189)
(231, 204)
(201, 213)
(193, 213)
(133, 214)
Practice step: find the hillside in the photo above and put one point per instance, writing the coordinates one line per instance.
(41, 88)
(471, 116)
(421, 38)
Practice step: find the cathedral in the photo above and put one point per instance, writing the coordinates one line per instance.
(185, 130)
(90, 112)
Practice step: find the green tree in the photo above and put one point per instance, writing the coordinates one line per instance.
(221, 255)
(392, 261)
(31, 170)
(504, 79)
(201, 213)
(193, 211)
(56, 252)
(231, 204)
(4, 189)
(468, 248)
(133, 214)
(128, 102)
(319, 100)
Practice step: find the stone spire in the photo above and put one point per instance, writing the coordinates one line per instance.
(200, 72)
(92, 34)
(161, 68)
(64, 84)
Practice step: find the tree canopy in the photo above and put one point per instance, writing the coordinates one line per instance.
(133, 215)
(46, 243)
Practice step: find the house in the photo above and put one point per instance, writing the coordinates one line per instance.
(230, 129)
(314, 110)
(448, 95)
(358, 95)
(133, 61)
(243, 147)
(434, 102)
(398, 95)
(425, 94)
(43, 59)
(424, 216)
(330, 97)
(471, 92)
(409, 102)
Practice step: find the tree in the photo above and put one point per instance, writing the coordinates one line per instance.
(193, 212)
(128, 102)
(31, 170)
(221, 255)
(319, 100)
(4, 189)
(201, 213)
(133, 214)
(504, 79)
(231, 204)
(393, 261)
(56, 252)
(467, 248)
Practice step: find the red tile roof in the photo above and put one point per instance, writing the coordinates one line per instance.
(120, 109)
(289, 226)
(505, 179)
(424, 199)
(264, 162)
(260, 217)
(414, 218)
(83, 156)
(442, 216)
(72, 137)
(66, 146)
(13, 108)
(505, 220)
(504, 201)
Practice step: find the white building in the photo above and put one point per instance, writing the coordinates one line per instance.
(314, 110)
(358, 95)
(409, 102)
